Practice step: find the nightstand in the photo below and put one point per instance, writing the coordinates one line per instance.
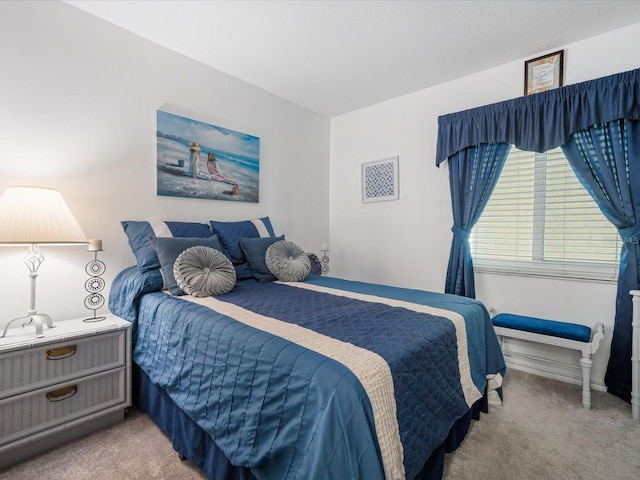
(73, 381)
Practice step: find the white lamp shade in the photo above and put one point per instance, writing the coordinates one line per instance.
(37, 215)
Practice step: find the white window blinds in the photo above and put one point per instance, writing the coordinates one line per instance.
(541, 221)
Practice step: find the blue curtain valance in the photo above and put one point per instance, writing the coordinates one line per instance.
(544, 120)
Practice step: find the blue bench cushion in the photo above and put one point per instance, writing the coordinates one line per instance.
(554, 328)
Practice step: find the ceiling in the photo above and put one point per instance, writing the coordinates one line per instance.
(333, 57)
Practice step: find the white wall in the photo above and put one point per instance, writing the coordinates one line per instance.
(406, 242)
(78, 101)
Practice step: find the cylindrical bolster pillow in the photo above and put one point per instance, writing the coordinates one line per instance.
(287, 261)
(203, 271)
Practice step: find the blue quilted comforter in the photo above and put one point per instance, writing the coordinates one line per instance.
(277, 373)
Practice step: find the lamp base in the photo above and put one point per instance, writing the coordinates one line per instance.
(36, 318)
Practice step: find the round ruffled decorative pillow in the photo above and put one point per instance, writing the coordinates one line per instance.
(203, 271)
(287, 261)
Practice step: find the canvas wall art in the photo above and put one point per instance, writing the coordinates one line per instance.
(199, 160)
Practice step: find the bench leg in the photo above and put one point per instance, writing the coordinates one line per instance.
(586, 364)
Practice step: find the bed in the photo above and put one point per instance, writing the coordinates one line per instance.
(320, 378)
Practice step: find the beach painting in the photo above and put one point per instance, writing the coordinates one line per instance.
(199, 160)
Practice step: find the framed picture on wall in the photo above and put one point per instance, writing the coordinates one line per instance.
(200, 160)
(380, 180)
(543, 73)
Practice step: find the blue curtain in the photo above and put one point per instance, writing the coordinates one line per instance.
(473, 173)
(543, 121)
(606, 160)
(580, 116)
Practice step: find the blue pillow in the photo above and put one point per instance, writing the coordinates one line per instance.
(316, 266)
(168, 249)
(243, 271)
(139, 233)
(254, 250)
(230, 233)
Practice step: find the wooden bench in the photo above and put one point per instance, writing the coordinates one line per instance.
(559, 334)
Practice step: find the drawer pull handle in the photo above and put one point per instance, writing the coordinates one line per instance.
(62, 352)
(62, 393)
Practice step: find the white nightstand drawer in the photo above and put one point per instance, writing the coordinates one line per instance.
(40, 409)
(37, 367)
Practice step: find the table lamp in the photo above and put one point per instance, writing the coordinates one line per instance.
(34, 216)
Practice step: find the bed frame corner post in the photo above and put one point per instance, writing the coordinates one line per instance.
(635, 356)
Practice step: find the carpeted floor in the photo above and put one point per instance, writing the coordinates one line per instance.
(540, 432)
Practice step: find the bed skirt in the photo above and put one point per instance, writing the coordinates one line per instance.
(190, 441)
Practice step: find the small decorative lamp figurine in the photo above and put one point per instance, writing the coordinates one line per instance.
(324, 248)
(95, 284)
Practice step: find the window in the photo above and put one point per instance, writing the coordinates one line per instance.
(541, 221)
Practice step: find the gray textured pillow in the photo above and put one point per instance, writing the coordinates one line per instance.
(287, 261)
(203, 271)
(168, 249)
